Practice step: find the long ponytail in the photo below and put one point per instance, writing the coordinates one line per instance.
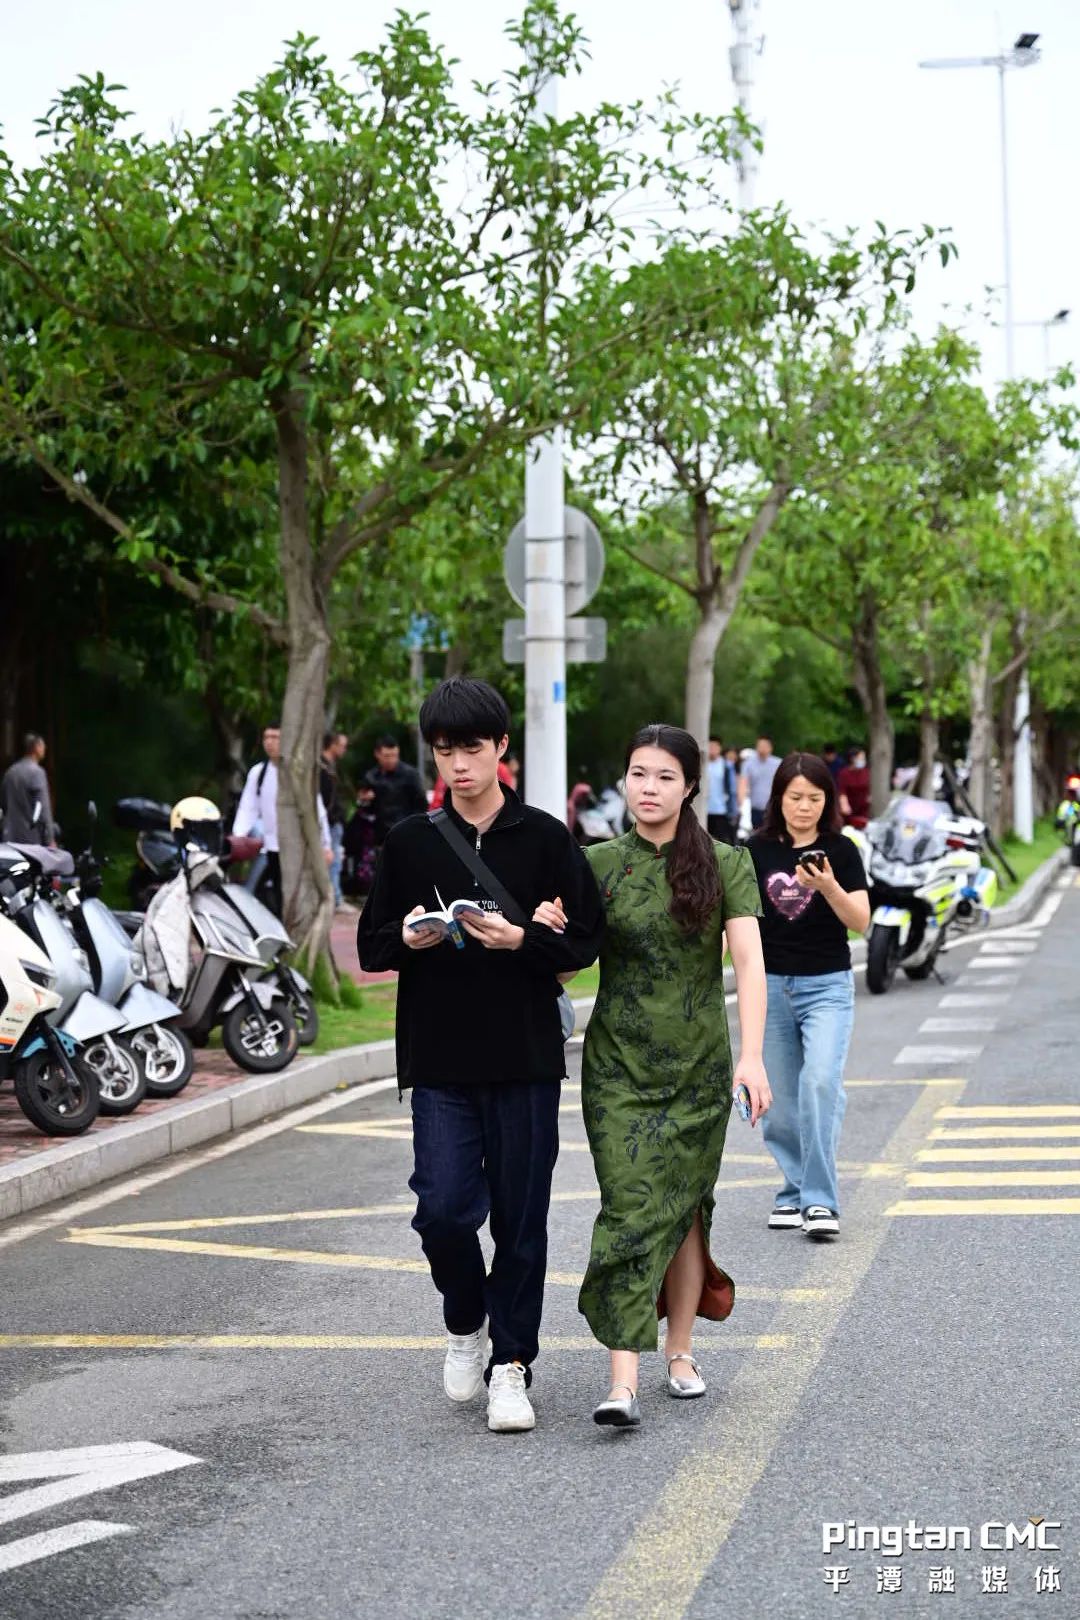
(692, 869)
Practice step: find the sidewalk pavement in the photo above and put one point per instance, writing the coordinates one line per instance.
(35, 1170)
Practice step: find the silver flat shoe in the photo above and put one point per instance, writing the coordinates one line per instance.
(619, 1413)
(685, 1389)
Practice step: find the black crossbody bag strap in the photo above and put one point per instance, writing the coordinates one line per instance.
(483, 874)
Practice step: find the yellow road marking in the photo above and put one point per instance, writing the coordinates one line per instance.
(987, 1206)
(674, 1542)
(906, 1080)
(1012, 1111)
(1002, 1133)
(206, 1222)
(108, 1237)
(326, 1341)
(1002, 1155)
(994, 1178)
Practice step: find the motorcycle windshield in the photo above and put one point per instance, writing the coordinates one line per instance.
(910, 832)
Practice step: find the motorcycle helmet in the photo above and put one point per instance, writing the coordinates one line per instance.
(196, 827)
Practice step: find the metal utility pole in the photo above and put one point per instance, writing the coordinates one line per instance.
(545, 603)
(1022, 54)
(742, 55)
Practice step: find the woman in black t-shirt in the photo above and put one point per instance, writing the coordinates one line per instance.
(813, 889)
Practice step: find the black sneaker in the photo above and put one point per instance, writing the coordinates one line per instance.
(785, 1216)
(820, 1223)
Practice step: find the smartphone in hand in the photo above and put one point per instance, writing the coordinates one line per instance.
(812, 858)
(741, 1099)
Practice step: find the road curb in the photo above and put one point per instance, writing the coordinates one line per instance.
(72, 1167)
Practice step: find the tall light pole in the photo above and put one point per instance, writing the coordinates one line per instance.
(545, 600)
(742, 56)
(1023, 53)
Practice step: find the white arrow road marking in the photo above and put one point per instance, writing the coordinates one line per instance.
(30, 1548)
(80, 1472)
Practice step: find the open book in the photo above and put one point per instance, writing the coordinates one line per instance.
(446, 920)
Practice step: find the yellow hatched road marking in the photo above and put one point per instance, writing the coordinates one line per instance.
(105, 1237)
(906, 1080)
(993, 1178)
(1002, 1155)
(1011, 1111)
(325, 1341)
(986, 1206)
(1011, 1133)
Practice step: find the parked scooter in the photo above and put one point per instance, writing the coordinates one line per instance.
(162, 1050)
(214, 948)
(55, 1088)
(927, 879)
(596, 820)
(86, 1025)
(157, 860)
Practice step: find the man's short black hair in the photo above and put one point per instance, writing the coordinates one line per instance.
(327, 739)
(829, 748)
(386, 741)
(271, 725)
(462, 710)
(30, 741)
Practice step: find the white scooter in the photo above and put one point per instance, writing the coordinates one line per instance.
(56, 1088)
(927, 879)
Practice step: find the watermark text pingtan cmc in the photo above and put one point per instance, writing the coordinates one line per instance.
(1037, 1534)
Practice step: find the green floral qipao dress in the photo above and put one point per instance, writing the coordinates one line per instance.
(655, 1086)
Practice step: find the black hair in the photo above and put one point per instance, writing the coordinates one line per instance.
(814, 768)
(462, 710)
(692, 869)
(386, 741)
(856, 748)
(327, 739)
(829, 748)
(272, 725)
(30, 741)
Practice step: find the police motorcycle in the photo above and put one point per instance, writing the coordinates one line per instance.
(77, 1058)
(927, 880)
(162, 1050)
(214, 948)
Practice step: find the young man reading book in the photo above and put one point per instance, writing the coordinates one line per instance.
(479, 1037)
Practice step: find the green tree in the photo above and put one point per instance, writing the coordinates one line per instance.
(303, 267)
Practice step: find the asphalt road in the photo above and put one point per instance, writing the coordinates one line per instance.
(924, 1368)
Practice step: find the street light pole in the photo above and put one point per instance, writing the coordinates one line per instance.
(1022, 54)
(545, 601)
(742, 55)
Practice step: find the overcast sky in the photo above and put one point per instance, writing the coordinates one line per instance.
(854, 131)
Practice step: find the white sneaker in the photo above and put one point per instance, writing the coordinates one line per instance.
(466, 1358)
(509, 1408)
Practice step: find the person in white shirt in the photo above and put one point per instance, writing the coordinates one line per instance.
(256, 814)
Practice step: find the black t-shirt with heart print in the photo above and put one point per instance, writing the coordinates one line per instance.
(800, 931)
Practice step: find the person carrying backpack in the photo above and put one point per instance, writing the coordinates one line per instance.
(479, 1036)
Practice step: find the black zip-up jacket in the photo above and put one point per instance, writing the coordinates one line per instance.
(471, 1015)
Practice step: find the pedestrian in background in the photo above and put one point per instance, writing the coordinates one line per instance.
(755, 782)
(398, 790)
(723, 796)
(853, 787)
(24, 797)
(335, 745)
(256, 817)
(813, 889)
(657, 1078)
(833, 759)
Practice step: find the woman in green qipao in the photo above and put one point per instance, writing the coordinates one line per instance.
(657, 1078)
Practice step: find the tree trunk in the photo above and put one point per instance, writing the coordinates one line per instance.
(305, 881)
(870, 686)
(929, 740)
(700, 674)
(980, 785)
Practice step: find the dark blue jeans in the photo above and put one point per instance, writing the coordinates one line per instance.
(480, 1151)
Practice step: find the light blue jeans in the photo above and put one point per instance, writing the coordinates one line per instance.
(807, 1034)
(337, 838)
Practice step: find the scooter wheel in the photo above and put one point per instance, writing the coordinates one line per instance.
(121, 1076)
(306, 1014)
(259, 1049)
(57, 1103)
(167, 1057)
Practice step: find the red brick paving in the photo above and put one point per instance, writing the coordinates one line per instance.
(213, 1070)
